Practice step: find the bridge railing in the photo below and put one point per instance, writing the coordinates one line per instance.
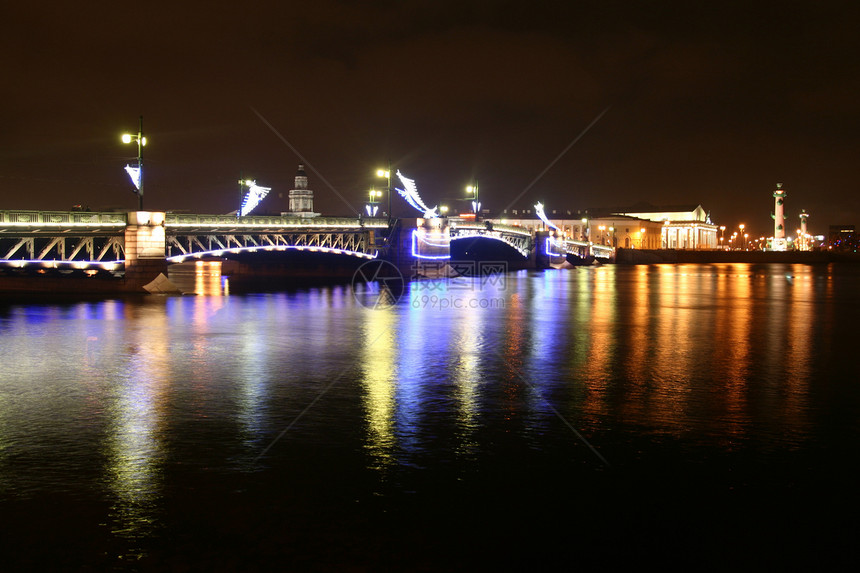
(509, 229)
(62, 219)
(260, 221)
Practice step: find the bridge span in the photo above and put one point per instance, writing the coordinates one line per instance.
(134, 247)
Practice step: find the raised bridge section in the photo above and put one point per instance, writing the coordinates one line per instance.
(432, 238)
(562, 247)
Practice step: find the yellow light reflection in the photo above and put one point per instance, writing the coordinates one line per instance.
(207, 278)
(134, 448)
(597, 305)
(465, 345)
(379, 364)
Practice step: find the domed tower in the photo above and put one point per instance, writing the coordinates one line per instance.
(779, 219)
(301, 198)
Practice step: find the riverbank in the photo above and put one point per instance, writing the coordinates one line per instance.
(647, 257)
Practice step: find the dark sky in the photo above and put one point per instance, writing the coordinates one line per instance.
(708, 102)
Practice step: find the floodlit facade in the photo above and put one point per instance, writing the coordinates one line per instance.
(643, 226)
(683, 226)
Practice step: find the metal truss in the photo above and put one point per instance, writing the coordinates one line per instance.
(61, 237)
(356, 242)
(561, 247)
(62, 249)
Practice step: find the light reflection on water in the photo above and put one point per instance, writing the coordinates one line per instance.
(719, 358)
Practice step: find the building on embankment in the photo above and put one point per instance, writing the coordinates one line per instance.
(641, 226)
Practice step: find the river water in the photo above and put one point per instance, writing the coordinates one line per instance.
(700, 416)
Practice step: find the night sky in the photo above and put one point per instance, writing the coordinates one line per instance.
(703, 102)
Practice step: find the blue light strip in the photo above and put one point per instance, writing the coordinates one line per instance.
(548, 250)
(418, 255)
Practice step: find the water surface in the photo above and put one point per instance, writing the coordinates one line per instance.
(597, 415)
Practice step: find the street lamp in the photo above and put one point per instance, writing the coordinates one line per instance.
(476, 203)
(137, 174)
(386, 174)
(372, 206)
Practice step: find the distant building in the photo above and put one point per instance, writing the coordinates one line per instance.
(301, 198)
(642, 226)
(684, 226)
(843, 238)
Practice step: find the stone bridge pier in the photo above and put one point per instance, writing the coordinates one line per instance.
(145, 248)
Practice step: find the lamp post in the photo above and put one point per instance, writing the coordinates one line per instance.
(722, 230)
(386, 174)
(476, 202)
(137, 179)
(373, 205)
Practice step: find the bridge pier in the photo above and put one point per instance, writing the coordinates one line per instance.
(399, 251)
(145, 248)
(539, 256)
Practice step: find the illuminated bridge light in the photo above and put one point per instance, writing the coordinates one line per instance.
(418, 255)
(255, 194)
(135, 174)
(542, 216)
(548, 248)
(412, 197)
